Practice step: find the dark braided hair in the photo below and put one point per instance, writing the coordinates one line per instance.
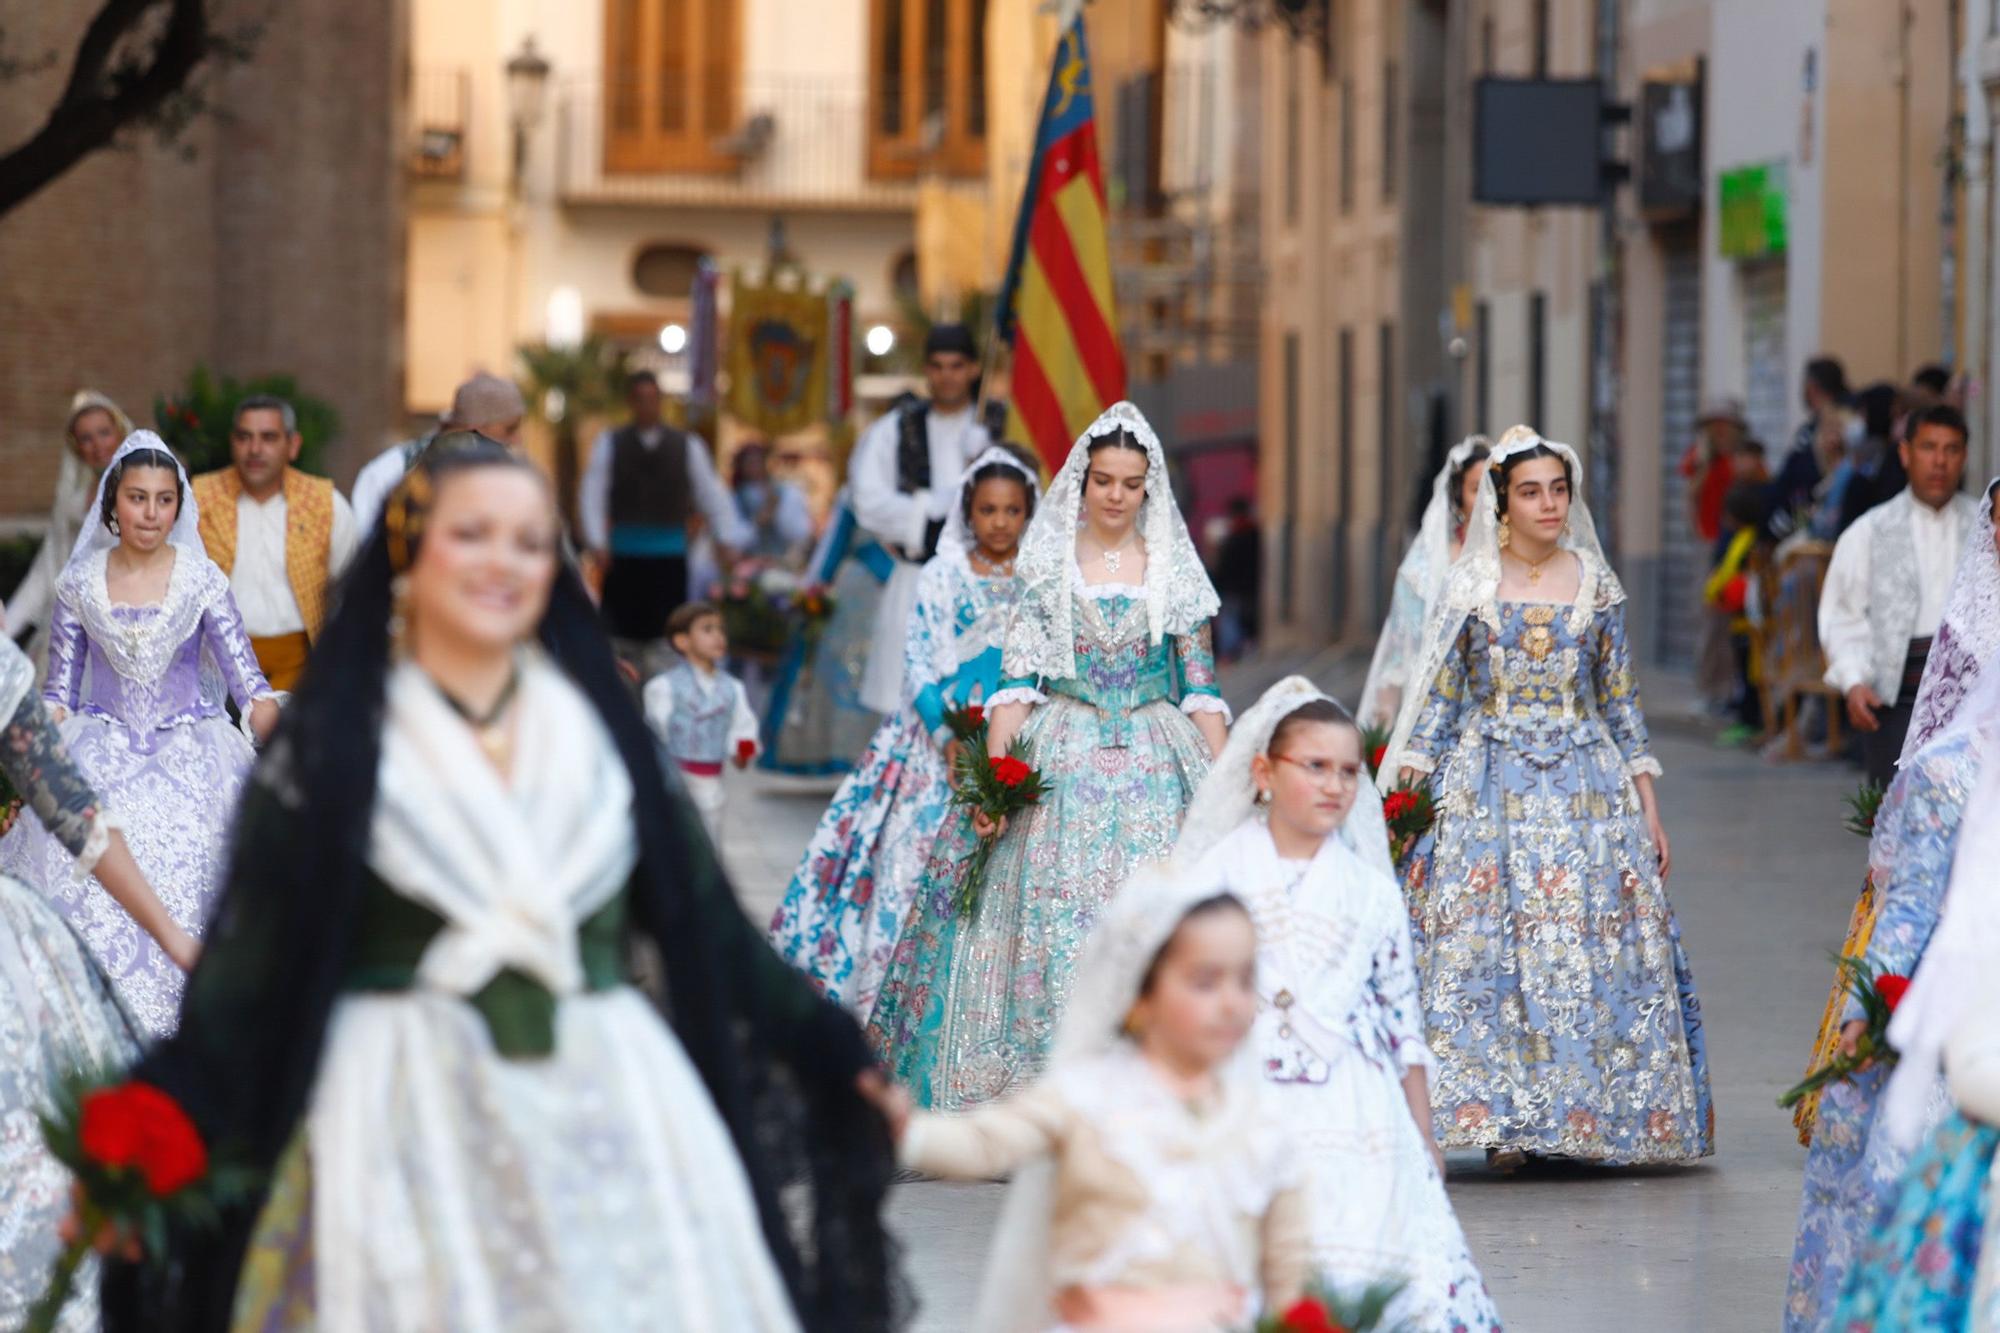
(995, 472)
(108, 511)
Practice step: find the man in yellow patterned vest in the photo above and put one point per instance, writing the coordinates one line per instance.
(283, 536)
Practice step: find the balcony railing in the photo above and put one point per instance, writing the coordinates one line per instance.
(793, 144)
(440, 100)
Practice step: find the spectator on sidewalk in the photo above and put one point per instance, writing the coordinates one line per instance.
(1727, 597)
(1802, 467)
(1239, 577)
(1709, 464)
(1885, 588)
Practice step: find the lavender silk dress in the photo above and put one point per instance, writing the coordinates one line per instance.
(161, 752)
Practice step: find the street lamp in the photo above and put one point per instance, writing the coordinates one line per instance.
(527, 90)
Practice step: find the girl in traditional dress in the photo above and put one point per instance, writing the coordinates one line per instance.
(1288, 822)
(1420, 578)
(413, 1020)
(1155, 1184)
(1859, 1153)
(95, 427)
(845, 907)
(1111, 685)
(1931, 1262)
(58, 1015)
(1968, 636)
(1556, 995)
(141, 615)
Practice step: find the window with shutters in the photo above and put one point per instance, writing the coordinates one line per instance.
(927, 88)
(670, 84)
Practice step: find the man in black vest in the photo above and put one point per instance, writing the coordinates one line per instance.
(645, 481)
(901, 482)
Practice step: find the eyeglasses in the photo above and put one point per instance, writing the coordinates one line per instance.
(1324, 771)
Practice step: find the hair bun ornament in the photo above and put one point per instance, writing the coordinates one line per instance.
(403, 516)
(1517, 438)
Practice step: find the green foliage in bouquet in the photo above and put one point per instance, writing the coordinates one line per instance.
(1000, 788)
(1374, 749)
(1862, 807)
(196, 422)
(1323, 1309)
(1409, 812)
(1878, 994)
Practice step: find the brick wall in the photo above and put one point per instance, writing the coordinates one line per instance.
(270, 238)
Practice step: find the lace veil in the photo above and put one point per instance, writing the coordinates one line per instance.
(1226, 798)
(1967, 635)
(1957, 967)
(1471, 585)
(1042, 639)
(95, 536)
(956, 539)
(1417, 581)
(1015, 1296)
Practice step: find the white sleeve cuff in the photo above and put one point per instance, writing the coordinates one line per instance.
(1207, 703)
(1416, 763)
(97, 843)
(278, 697)
(1645, 765)
(1018, 694)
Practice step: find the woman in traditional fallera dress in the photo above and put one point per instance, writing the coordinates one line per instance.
(1111, 685)
(141, 614)
(1288, 822)
(1419, 580)
(58, 1015)
(413, 1021)
(1931, 1261)
(1968, 637)
(1557, 997)
(1860, 1152)
(844, 909)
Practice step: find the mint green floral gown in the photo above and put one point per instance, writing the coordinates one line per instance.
(971, 1003)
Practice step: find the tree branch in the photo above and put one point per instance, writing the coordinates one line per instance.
(99, 100)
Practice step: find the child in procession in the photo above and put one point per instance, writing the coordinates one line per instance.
(1155, 1187)
(1288, 822)
(700, 712)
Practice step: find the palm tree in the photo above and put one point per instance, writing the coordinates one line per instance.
(564, 386)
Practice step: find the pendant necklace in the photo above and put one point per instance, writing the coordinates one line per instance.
(1114, 556)
(1535, 568)
(993, 568)
(486, 726)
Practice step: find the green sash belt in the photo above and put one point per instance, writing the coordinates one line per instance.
(520, 1012)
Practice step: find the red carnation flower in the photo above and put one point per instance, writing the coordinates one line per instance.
(135, 1124)
(1309, 1316)
(1398, 803)
(1891, 987)
(1009, 771)
(975, 714)
(746, 750)
(1375, 760)
(109, 1132)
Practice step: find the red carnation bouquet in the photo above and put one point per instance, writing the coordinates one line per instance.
(1409, 812)
(142, 1167)
(967, 724)
(1878, 994)
(1374, 749)
(1323, 1310)
(999, 788)
(1862, 807)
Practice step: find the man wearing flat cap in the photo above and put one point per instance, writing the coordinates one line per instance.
(902, 480)
(485, 403)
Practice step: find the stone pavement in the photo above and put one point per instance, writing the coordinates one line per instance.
(1763, 880)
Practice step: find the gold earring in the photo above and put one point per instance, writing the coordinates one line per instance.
(1506, 532)
(399, 624)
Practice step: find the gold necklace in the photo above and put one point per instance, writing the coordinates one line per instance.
(1534, 568)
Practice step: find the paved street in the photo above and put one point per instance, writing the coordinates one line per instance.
(1764, 878)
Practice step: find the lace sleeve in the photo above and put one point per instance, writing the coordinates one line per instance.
(1617, 688)
(66, 652)
(1437, 725)
(223, 634)
(1194, 654)
(34, 760)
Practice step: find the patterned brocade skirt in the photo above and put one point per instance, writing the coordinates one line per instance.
(1557, 996)
(971, 1001)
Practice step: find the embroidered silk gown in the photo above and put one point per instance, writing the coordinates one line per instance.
(160, 751)
(1556, 995)
(846, 904)
(970, 1002)
(58, 1015)
(1853, 1169)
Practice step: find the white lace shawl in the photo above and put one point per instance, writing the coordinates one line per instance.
(1968, 634)
(1178, 594)
(1418, 580)
(1227, 798)
(1957, 963)
(1015, 1293)
(1472, 585)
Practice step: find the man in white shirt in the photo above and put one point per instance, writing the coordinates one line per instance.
(485, 403)
(282, 536)
(902, 481)
(1886, 586)
(643, 486)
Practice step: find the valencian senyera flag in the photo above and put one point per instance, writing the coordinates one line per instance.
(1056, 310)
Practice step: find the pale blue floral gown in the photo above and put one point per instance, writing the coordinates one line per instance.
(1853, 1171)
(1557, 997)
(845, 907)
(970, 1003)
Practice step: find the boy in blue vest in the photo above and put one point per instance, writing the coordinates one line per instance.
(699, 711)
